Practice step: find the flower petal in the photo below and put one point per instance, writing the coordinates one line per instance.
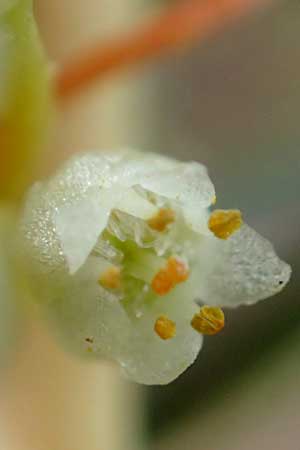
(197, 218)
(134, 204)
(78, 225)
(187, 183)
(241, 270)
(92, 324)
(71, 209)
(150, 360)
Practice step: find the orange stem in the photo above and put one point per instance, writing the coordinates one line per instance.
(182, 24)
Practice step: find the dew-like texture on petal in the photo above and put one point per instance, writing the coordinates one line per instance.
(240, 270)
(38, 231)
(94, 325)
(52, 206)
(185, 182)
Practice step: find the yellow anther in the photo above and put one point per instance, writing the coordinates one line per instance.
(223, 223)
(162, 219)
(176, 271)
(214, 200)
(165, 328)
(209, 320)
(111, 278)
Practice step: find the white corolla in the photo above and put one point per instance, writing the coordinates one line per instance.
(129, 263)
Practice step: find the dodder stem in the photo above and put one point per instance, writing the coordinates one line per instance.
(183, 24)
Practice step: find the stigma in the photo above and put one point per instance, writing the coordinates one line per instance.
(223, 223)
(162, 219)
(209, 320)
(176, 271)
(165, 328)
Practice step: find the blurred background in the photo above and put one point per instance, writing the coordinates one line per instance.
(231, 102)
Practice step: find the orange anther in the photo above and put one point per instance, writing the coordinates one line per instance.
(175, 272)
(177, 269)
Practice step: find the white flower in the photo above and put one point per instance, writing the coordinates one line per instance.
(123, 249)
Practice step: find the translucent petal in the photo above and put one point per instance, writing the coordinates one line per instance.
(78, 225)
(184, 182)
(134, 204)
(188, 183)
(148, 359)
(95, 325)
(197, 218)
(240, 270)
(38, 233)
(65, 215)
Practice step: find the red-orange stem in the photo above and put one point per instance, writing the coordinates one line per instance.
(182, 24)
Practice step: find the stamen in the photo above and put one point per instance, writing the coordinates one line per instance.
(111, 278)
(162, 219)
(162, 283)
(165, 328)
(210, 320)
(214, 200)
(176, 271)
(223, 223)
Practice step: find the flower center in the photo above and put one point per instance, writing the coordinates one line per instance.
(148, 259)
